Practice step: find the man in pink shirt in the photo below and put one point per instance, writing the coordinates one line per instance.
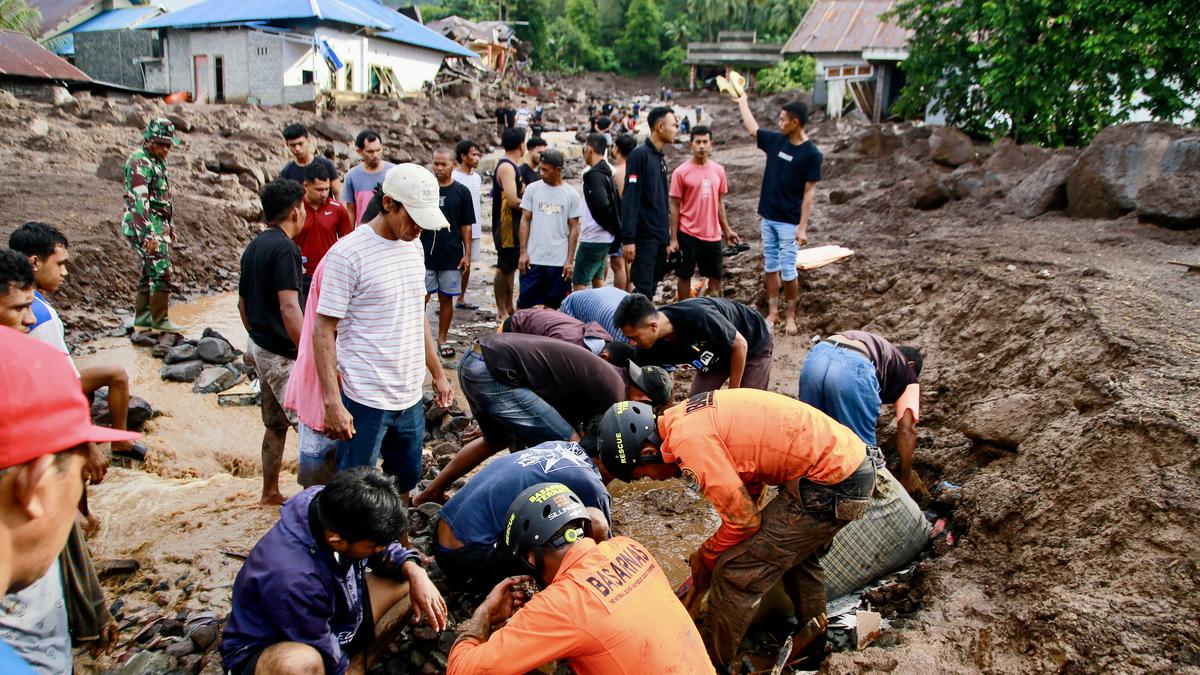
(698, 222)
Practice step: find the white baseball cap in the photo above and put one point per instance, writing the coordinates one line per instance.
(416, 189)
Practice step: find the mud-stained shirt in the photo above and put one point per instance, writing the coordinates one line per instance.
(609, 610)
(732, 443)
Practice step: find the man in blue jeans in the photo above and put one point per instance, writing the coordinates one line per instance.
(528, 389)
(848, 375)
(789, 178)
(371, 331)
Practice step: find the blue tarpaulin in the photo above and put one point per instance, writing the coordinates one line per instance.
(330, 56)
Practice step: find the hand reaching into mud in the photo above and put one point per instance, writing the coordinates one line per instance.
(504, 600)
(109, 635)
(427, 601)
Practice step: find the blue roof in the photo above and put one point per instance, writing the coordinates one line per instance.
(391, 24)
(113, 19)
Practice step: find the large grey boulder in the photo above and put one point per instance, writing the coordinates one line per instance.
(1171, 200)
(950, 147)
(334, 130)
(1045, 189)
(216, 379)
(182, 352)
(187, 371)
(215, 350)
(1124, 158)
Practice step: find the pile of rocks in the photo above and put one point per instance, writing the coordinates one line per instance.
(212, 364)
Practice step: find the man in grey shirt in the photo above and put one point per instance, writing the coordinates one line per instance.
(550, 213)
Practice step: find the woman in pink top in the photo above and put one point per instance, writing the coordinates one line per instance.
(318, 460)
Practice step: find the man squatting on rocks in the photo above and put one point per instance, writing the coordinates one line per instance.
(269, 305)
(792, 170)
(46, 440)
(371, 335)
(148, 225)
(730, 445)
(531, 389)
(721, 339)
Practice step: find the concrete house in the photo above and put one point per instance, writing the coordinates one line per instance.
(278, 52)
(857, 52)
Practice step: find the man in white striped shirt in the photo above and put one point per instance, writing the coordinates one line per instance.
(371, 331)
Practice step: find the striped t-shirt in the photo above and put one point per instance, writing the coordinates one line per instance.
(596, 304)
(376, 289)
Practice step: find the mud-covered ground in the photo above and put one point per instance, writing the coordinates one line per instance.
(1060, 391)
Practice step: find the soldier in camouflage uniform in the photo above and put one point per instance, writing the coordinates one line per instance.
(147, 224)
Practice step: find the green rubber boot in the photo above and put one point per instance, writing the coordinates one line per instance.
(159, 300)
(142, 319)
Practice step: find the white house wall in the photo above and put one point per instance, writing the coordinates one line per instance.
(413, 66)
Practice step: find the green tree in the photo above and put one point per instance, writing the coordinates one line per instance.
(19, 16)
(610, 15)
(640, 46)
(582, 15)
(1050, 71)
(674, 70)
(793, 73)
(534, 32)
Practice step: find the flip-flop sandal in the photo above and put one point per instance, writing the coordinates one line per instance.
(446, 351)
(466, 305)
(736, 248)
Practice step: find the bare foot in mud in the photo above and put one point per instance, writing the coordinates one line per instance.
(771, 319)
(790, 328)
(272, 500)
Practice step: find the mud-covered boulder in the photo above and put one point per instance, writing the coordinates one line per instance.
(216, 379)
(879, 142)
(1009, 158)
(1171, 200)
(182, 352)
(928, 192)
(140, 411)
(1120, 160)
(111, 167)
(1005, 421)
(334, 130)
(1045, 189)
(215, 350)
(950, 147)
(187, 371)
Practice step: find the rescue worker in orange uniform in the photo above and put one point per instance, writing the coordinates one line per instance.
(731, 444)
(605, 608)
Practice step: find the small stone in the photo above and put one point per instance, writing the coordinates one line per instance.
(172, 627)
(882, 285)
(1011, 268)
(181, 353)
(1045, 274)
(142, 339)
(216, 379)
(160, 351)
(187, 371)
(38, 127)
(215, 350)
(843, 196)
(425, 634)
(148, 663)
(181, 647)
(203, 636)
(190, 663)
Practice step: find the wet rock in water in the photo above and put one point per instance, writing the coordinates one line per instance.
(148, 663)
(950, 147)
(160, 351)
(210, 333)
(215, 350)
(181, 353)
(187, 371)
(140, 411)
(216, 379)
(143, 339)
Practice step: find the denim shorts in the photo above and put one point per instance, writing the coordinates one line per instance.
(841, 383)
(318, 457)
(505, 412)
(446, 282)
(779, 248)
(396, 435)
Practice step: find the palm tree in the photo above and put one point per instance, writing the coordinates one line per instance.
(18, 16)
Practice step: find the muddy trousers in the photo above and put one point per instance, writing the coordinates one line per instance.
(797, 528)
(155, 253)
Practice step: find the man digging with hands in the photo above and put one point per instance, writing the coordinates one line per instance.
(371, 330)
(305, 602)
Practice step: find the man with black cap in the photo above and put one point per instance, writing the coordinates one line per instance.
(530, 389)
(46, 434)
(604, 607)
(731, 444)
(550, 213)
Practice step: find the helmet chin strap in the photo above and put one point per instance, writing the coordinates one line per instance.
(569, 536)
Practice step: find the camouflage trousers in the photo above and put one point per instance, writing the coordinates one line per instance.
(155, 253)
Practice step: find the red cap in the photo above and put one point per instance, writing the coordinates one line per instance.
(44, 408)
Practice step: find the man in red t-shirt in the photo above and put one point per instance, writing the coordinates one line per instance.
(698, 222)
(325, 221)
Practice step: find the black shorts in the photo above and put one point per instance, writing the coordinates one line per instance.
(473, 569)
(542, 285)
(507, 259)
(363, 638)
(707, 255)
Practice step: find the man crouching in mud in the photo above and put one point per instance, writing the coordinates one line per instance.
(304, 601)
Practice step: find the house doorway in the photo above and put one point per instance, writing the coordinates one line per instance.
(219, 77)
(200, 73)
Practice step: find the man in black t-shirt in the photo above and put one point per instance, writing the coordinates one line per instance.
(529, 389)
(645, 222)
(269, 304)
(789, 178)
(533, 159)
(722, 339)
(506, 117)
(448, 252)
(300, 145)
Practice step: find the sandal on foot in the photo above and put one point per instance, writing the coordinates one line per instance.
(466, 305)
(446, 351)
(136, 452)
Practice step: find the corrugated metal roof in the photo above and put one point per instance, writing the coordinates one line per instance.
(116, 19)
(366, 13)
(22, 57)
(55, 12)
(833, 26)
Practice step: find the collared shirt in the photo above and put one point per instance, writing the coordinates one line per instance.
(732, 443)
(645, 215)
(610, 609)
(323, 226)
